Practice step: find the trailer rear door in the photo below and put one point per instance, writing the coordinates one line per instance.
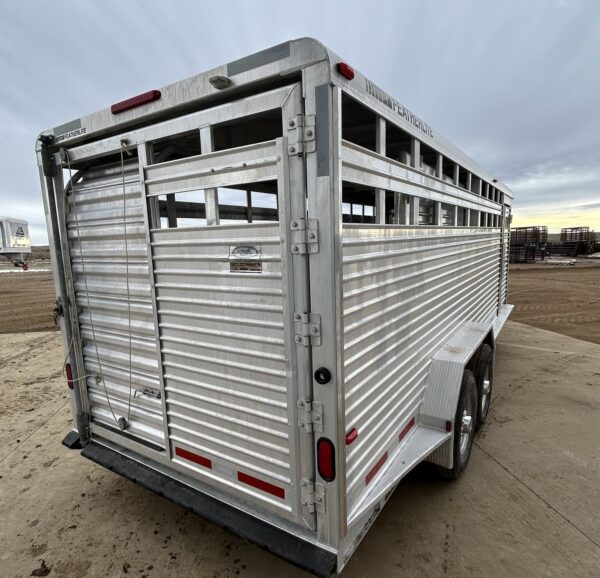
(225, 315)
(212, 295)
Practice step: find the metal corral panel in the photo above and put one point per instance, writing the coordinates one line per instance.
(112, 289)
(406, 290)
(504, 279)
(223, 346)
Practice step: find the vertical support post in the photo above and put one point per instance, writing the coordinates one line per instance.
(397, 208)
(171, 211)
(324, 183)
(55, 209)
(438, 214)
(415, 153)
(143, 156)
(456, 175)
(467, 218)
(380, 193)
(211, 199)
(414, 210)
(469, 181)
(249, 205)
(439, 168)
(292, 206)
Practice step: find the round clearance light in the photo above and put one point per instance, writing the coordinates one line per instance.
(220, 82)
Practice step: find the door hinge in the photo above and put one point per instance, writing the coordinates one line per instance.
(312, 496)
(307, 329)
(307, 494)
(301, 134)
(58, 310)
(310, 415)
(305, 236)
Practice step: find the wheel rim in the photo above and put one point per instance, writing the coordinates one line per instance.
(486, 387)
(467, 423)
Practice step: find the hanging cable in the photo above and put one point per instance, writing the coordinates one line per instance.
(122, 150)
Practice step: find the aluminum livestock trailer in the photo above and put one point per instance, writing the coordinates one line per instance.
(14, 241)
(280, 291)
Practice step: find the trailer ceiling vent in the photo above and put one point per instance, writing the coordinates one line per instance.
(135, 101)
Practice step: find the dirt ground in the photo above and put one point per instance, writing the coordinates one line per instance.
(558, 298)
(27, 297)
(527, 506)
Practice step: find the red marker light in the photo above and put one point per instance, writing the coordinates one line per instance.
(345, 70)
(326, 459)
(69, 374)
(135, 101)
(351, 436)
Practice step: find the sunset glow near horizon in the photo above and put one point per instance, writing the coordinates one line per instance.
(556, 218)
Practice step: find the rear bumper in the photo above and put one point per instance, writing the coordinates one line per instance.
(291, 548)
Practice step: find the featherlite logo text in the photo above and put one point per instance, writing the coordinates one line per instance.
(398, 108)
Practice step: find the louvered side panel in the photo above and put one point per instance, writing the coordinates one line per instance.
(223, 348)
(113, 297)
(406, 290)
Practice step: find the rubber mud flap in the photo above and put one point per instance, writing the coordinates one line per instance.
(72, 441)
(299, 552)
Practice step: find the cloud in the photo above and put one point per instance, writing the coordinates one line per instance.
(519, 95)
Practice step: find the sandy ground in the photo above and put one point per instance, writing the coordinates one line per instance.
(558, 298)
(26, 297)
(527, 505)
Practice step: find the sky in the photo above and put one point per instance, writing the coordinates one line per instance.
(514, 84)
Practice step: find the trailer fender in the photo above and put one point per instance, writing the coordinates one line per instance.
(443, 389)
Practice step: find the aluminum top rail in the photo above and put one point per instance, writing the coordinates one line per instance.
(273, 66)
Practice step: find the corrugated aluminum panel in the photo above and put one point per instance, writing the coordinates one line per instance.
(105, 271)
(406, 290)
(223, 344)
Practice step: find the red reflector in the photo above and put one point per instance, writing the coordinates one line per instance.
(69, 374)
(134, 101)
(351, 436)
(261, 485)
(326, 459)
(448, 425)
(345, 70)
(407, 429)
(192, 457)
(376, 468)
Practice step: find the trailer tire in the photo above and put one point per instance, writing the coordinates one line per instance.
(483, 370)
(464, 427)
